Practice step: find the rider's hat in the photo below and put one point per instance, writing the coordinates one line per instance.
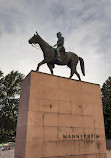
(59, 34)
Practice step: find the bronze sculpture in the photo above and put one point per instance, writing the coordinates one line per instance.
(66, 58)
(60, 45)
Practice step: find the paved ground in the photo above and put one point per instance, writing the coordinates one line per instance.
(10, 154)
(108, 153)
(7, 154)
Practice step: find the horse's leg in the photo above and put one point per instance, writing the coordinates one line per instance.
(50, 67)
(41, 63)
(78, 75)
(72, 67)
(72, 72)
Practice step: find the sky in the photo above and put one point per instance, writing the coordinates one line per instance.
(84, 24)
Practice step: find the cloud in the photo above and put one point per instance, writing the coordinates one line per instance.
(85, 26)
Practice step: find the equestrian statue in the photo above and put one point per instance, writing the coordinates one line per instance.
(57, 55)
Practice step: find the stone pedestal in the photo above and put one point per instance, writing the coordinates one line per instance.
(59, 118)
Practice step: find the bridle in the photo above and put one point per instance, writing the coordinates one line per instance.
(35, 45)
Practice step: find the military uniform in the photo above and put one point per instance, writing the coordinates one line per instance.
(60, 44)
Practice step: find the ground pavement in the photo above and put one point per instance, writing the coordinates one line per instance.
(7, 154)
(109, 153)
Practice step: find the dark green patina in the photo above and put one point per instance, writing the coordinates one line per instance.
(51, 58)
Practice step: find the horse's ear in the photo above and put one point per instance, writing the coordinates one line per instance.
(36, 33)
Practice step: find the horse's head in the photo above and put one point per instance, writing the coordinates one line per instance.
(34, 39)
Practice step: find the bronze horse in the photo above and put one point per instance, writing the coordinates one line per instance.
(67, 58)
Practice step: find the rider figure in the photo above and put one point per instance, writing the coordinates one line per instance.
(59, 44)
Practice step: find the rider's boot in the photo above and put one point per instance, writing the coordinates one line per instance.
(58, 56)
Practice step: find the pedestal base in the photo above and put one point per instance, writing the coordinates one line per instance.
(59, 118)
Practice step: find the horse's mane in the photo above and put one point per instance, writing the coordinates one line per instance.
(44, 42)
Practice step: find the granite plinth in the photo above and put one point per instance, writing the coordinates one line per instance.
(59, 117)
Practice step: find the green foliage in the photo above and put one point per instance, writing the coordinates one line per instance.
(106, 99)
(9, 100)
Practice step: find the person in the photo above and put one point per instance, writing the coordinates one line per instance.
(60, 44)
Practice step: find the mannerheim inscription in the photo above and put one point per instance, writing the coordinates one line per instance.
(84, 137)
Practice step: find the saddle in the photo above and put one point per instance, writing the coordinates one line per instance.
(61, 50)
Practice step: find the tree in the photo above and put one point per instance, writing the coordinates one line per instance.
(106, 100)
(9, 94)
(1, 84)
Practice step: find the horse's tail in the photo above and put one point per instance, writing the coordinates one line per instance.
(82, 65)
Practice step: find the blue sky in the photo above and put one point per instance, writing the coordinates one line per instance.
(85, 25)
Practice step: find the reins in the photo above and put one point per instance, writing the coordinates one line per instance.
(35, 46)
